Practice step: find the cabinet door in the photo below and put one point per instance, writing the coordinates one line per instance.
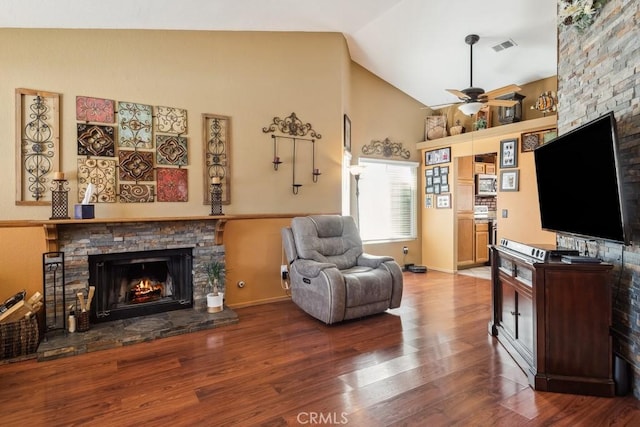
(465, 240)
(525, 322)
(508, 309)
(482, 243)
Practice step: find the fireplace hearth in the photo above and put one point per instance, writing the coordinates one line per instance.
(132, 284)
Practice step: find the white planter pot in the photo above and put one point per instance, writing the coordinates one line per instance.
(214, 302)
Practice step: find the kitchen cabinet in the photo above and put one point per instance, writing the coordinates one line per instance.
(465, 200)
(481, 242)
(553, 319)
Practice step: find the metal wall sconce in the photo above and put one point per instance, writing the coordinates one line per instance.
(295, 131)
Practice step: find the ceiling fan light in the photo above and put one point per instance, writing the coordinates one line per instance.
(470, 108)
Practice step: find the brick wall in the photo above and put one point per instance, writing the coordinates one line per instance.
(598, 72)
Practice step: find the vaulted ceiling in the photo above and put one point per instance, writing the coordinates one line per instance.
(415, 45)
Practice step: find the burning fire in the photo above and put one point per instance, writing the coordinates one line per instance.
(145, 291)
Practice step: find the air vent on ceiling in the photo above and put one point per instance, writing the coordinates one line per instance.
(504, 45)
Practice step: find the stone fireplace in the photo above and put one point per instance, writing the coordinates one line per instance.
(139, 283)
(176, 248)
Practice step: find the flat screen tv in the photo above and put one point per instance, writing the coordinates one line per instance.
(579, 185)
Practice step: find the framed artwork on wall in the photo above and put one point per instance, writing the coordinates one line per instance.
(435, 157)
(443, 201)
(347, 133)
(509, 180)
(509, 153)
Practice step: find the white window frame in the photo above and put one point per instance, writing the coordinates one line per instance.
(371, 203)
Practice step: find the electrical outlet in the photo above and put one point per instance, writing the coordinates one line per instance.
(405, 250)
(284, 272)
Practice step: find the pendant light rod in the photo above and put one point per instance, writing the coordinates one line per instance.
(471, 39)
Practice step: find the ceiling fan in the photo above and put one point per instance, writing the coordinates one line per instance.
(472, 99)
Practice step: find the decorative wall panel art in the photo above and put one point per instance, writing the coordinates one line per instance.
(100, 172)
(173, 185)
(96, 140)
(37, 145)
(171, 150)
(95, 109)
(171, 120)
(137, 193)
(134, 125)
(135, 165)
(216, 134)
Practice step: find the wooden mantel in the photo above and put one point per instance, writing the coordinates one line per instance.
(51, 226)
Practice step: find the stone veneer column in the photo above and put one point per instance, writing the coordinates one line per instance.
(598, 72)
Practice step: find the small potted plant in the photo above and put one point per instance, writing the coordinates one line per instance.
(215, 295)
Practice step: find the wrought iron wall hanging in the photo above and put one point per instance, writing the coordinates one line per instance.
(294, 130)
(37, 145)
(217, 149)
(386, 148)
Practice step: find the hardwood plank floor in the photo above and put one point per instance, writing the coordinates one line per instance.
(429, 363)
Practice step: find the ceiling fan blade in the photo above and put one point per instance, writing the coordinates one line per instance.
(458, 93)
(437, 106)
(501, 102)
(501, 91)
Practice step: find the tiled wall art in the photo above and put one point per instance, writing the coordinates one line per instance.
(171, 150)
(137, 193)
(95, 140)
(173, 185)
(216, 136)
(95, 109)
(135, 165)
(134, 125)
(37, 145)
(171, 120)
(100, 172)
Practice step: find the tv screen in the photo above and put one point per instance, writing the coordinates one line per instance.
(579, 182)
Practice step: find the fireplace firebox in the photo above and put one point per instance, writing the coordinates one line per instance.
(134, 284)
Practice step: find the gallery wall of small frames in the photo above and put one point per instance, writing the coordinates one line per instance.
(437, 187)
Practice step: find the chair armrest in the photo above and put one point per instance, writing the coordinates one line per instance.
(310, 268)
(372, 261)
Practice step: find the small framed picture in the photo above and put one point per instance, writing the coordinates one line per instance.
(509, 180)
(428, 201)
(444, 188)
(436, 179)
(436, 171)
(436, 188)
(434, 157)
(444, 170)
(428, 172)
(429, 190)
(443, 201)
(509, 153)
(444, 179)
(429, 181)
(347, 133)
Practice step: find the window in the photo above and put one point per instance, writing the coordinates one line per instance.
(387, 205)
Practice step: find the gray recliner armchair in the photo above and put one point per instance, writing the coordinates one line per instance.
(331, 278)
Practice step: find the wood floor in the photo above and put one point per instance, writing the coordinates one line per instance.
(428, 363)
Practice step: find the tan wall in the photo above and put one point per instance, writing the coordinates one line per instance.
(381, 111)
(253, 254)
(523, 222)
(21, 252)
(251, 77)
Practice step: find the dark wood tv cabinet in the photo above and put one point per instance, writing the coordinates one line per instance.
(553, 318)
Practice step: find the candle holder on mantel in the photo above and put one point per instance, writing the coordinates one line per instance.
(60, 199)
(216, 196)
